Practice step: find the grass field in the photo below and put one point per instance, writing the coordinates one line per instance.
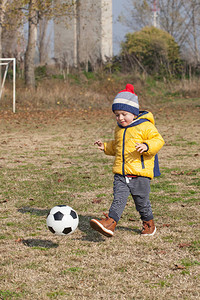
(48, 158)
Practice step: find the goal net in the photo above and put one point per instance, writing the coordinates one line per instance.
(4, 71)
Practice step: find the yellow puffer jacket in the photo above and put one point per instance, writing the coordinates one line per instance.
(127, 160)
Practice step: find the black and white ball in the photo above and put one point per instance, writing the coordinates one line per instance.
(62, 220)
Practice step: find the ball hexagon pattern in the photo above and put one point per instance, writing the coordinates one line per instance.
(62, 220)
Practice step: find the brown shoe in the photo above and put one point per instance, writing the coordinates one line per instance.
(148, 228)
(104, 226)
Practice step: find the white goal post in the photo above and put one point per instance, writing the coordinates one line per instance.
(6, 62)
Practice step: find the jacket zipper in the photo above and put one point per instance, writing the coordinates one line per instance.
(123, 149)
(142, 162)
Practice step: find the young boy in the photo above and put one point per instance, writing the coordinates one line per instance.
(135, 147)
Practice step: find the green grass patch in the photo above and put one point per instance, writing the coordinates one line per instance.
(3, 237)
(56, 294)
(72, 270)
(165, 186)
(9, 295)
(188, 263)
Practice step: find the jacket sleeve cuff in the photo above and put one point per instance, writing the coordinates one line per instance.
(147, 147)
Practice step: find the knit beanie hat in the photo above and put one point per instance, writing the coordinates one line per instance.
(127, 100)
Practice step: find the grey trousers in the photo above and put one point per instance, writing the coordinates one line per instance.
(139, 188)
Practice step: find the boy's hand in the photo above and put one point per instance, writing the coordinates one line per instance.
(100, 145)
(141, 148)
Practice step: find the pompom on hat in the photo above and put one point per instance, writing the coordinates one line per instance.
(127, 100)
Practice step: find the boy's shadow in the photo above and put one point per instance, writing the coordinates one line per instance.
(94, 236)
(138, 231)
(89, 234)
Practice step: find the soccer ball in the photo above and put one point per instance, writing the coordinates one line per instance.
(62, 220)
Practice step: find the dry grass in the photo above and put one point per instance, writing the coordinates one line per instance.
(48, 158)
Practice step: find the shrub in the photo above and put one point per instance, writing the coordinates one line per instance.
(153, 50)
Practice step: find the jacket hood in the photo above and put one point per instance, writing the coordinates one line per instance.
(146, 115)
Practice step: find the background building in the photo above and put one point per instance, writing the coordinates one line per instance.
(86, 37)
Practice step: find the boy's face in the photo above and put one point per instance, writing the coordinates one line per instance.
(124, 118)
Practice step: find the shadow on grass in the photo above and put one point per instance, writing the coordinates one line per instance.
(37, 243)
(94, 236)
(34, 211)
(89, 234)
(122, 228)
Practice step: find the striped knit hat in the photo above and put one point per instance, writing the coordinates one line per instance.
(127, 100)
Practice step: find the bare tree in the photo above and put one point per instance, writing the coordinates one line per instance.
(172, 16)
(180, 18)
(31, 45)
(39, 9)
(138, 14)
(88, 39)
(193, 37)
(44, 40)
(3, 6)
(173, 19)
